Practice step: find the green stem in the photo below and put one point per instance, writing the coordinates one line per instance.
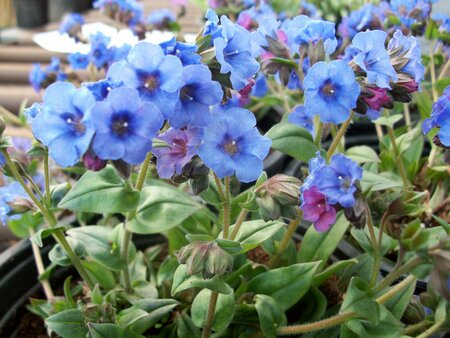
(395, 274)
(210, 315)
(316, 326)
(10, 116)
(416, 327)
(286, 238)
(398, 158)
(237, 225)
(343, 317)
(376, 246)
(334, 132)
(48, 197)
(225, 198)
(339, 135)
(396, 289)
(128, 235)
(52, 222)
(433, 329)
(444, 70)
(433, 72)
(41, 268)
(319, 127)
(407, 116)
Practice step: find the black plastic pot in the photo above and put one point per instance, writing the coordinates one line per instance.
(57, 8)
(30, 13)
(18, 280)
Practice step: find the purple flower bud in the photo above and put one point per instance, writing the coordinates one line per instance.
(410, 87)
(93, 162)
(317, 210)
(376, 98)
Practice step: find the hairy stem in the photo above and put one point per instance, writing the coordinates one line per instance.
(316, 326)
(128, 235)
(396, 289)
(286, 238)
(416, 327)
(319, 127)
(339, 136)
(48, 196)
(41, 268)
(237, 225)
(433, 329)
(398, 158)
(407, 116)
(210, 315)
(395, 274)
(376, 246)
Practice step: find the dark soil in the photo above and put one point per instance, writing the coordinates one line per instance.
(32, 326)
(258, 255)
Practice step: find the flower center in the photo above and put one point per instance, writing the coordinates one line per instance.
(179, 147)
(186, 93)
(231, 147)
(328, 89)
(74, 123)
(120, 125)
(151, 82)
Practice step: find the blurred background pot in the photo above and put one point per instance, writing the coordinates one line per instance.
(57, 8)
(31, 13)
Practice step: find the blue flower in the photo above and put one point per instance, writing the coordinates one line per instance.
(8, 194)
(36, 77)
(331, 91)
(160, 18)
(31, 112)
(336, 180)
(2, 160)
(260, 89)
(301, 118)
(182, 147)
(125, 126)
(304, 30)
(212, 25)
(100, 55)
(440, 118)
(129, 12)
(232, 144)
(197, 93)
(71, 24)
(101, 89)
(156, 76)
(186, 52)
(64, 124)
(373, 59)
(120, 53)
(403, 48)
(233, 51)
(314, 165)
(78, 60)
(268, 27)
(360, 20)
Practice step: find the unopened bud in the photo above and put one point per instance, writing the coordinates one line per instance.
(195, 169)
(20, 205)
(414, 312)
(276, 193)
(206, 258)
(93, 162)
(429, 299)
(356, 215)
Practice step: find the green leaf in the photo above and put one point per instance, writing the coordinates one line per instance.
(292, 140)
(376, 182)
(146, 313)
(186, 327)
(271, 317)
(68, 324)
(363, 238)
(6, 142)
(108, 330)
(332, 269)
(97, 242)
(388, 121)
(357, 299)
(432, 30)
(102, 192)
(183, 281)
(223, 313)
(162, 207)
(286, 285)
(44, 233)
(253, 233)
(100, 274)
(398, 303)
(21, 227)
(318, 246)
(362, 154)
(387, 327)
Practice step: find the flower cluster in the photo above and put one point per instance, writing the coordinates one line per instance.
(71, 24)
(129, 12)
(327, 188)
(440, 118)
(41, 78)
